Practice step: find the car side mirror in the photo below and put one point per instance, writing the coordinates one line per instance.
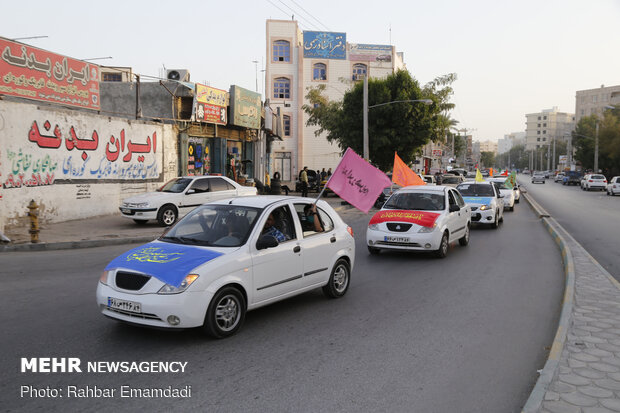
(190, 191)
(454, 208)
(266, 241)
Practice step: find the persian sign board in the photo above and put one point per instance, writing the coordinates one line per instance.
(245, 107)
(325, 45)
(370, 52)
(33, 73)
(210, 105)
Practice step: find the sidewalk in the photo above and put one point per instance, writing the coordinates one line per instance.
(582, 373)
(103, 230)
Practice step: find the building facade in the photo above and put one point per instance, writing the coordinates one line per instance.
(593, 101)
(299, 60)
(545, 126)
(509, 141)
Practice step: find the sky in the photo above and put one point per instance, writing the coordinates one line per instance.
(510, 57)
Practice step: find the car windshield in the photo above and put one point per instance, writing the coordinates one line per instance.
(214, 225)
(475, 190)
(416, 201)
(176, 185)
(450, 180)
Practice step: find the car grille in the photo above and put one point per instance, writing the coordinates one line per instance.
(144, 316)
(131, 281)
(476, 217)
(398, 244)
(398, 227)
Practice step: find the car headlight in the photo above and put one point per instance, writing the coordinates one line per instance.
(104, 277)
(373, 226)
(142, 205)
(169, 289)
(426, 230)
(485, 207)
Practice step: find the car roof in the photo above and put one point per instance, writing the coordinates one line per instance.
(476, 182)
(424, 188)
(261, 201)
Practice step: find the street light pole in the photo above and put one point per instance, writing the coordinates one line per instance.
(596, 149)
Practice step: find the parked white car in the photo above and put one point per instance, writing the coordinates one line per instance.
(613, 187)
(508, 193)
(420, 218)
(594, 181)
(487, 204)
(179, 196)
(224, 258)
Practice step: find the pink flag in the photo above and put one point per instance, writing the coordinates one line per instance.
(358, 182)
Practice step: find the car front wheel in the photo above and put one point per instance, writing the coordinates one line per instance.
(226, 313)
(167, 215)
(465, 239)
(338, 283)
(442, 251)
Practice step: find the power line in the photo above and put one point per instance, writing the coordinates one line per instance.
(300, 16)
(276, 6)
(311, 15)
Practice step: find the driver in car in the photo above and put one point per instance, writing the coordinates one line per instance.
(270, 229)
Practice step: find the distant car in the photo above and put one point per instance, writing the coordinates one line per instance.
(508, 193)
(420, 218)
(385, 194)
(487, 204)
(218, 261)
(451, 180)
(429, 179)
(526, 171)
(594, 181)
(547, 174)
(559, 177)
(571, 178)
(179, 196)
(538, 177)
(613, 187)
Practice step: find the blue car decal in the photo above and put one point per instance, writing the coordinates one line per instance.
(484, 200)
(169, 263)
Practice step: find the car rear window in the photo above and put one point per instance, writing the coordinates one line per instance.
(476, 190)
(598, 177)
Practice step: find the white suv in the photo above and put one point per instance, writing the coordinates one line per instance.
(487, 204)
(179, 196)
(594, 181)
(613, 187)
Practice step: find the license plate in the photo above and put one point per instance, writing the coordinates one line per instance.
(130, 306)
(126, 211)
(396, 239)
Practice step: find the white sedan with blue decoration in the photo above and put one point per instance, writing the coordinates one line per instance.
(227, 257)
(487, 205)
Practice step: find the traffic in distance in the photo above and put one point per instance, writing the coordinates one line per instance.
(244, 251)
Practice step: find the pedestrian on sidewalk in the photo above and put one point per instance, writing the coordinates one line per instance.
(304, 181)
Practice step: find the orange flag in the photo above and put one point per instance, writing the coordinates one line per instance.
(491, 172)
(403, 175)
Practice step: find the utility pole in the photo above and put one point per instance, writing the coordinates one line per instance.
(554, 153)
(548, 155)
(365, 109)
(596, 149)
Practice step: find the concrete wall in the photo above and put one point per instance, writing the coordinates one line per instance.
(76, 164)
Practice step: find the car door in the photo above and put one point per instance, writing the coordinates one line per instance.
(194, 195)
(457, 220)
(219, 189)
(318, 248)
(277, 270)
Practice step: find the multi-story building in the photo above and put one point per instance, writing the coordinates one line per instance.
(545, 126)
(299, 60)
(488, 146)
(509, 141)
(593, 101)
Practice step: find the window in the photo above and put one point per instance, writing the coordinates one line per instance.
(539, 125)
(112, 77)
(539, 118)
(282, 88)
(359, 70)
(307, 219)
(281, 51)
(544, 132)
(544, 125)
(537, 139)
(319, 71)
(201, 185)
(544, 139)
(544, 118)
(594, 98)
(287, 125)
(218, 184)
(283, 222)
(537, 132)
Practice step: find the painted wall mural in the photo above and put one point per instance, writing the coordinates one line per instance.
(52, 151)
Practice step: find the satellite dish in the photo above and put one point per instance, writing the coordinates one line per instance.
(174, 75)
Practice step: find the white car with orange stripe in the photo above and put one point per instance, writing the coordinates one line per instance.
(420, 218)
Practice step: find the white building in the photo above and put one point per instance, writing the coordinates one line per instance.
(593, 101)
(299, 60)
(509, 141)
(542, 127)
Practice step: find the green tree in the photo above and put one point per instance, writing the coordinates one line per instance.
(609, 141)
(402, 127)
(487, 159)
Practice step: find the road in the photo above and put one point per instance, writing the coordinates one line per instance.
(414, 333)
(592, 218)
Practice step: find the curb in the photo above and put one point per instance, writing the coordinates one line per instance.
(534, 401)
(49, 246)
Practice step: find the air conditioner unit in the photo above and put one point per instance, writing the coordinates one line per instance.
(181, 75)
